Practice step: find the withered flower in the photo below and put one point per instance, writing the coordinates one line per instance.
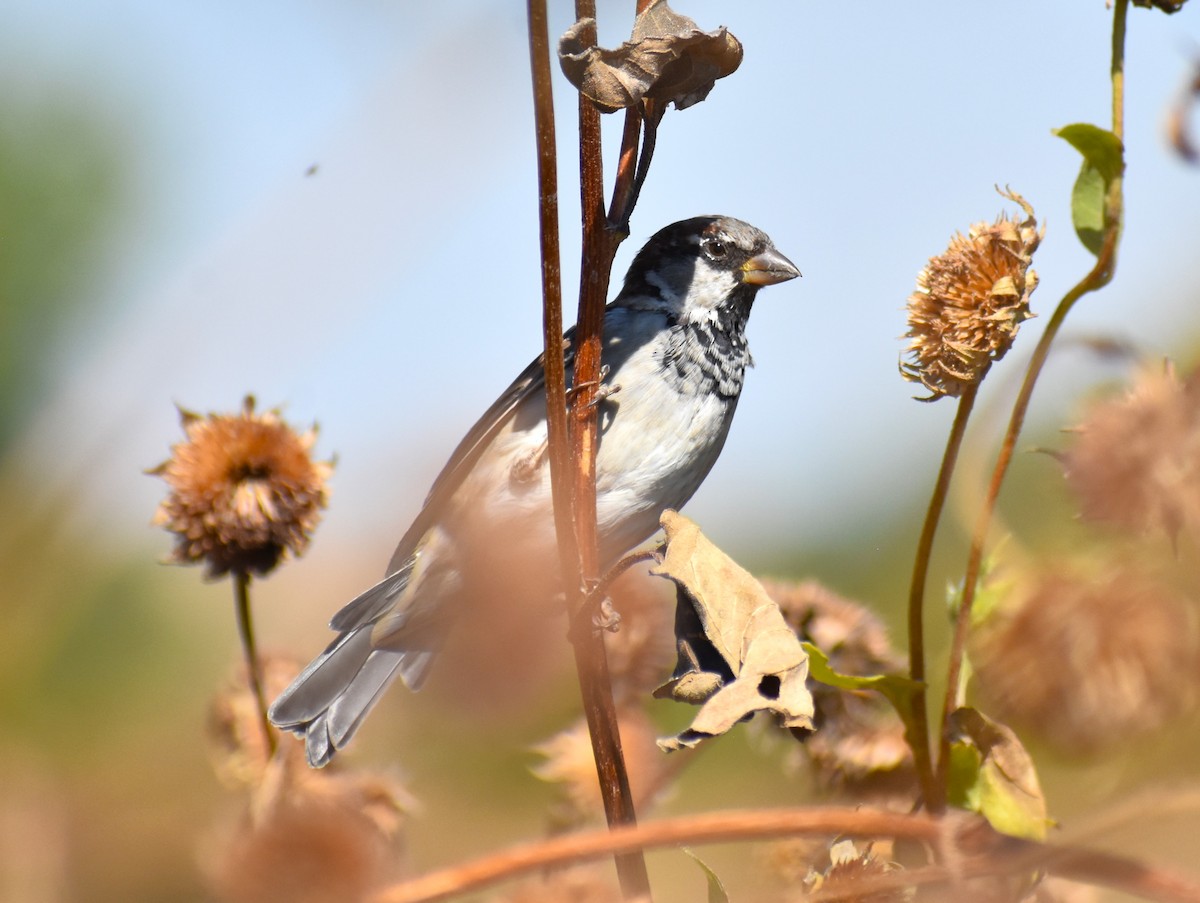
(1135, 461)
(568, 761)
(310, 836)
(1087, 656)
(667, 59)
(853, 877)
(240, 752)
(969, 303)
(244, 490)
(642, 648)
(858, 745)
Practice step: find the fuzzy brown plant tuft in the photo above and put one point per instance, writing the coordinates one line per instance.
(852, 877)
(1087, 657)
(859, 743)
(311, 837)
(237, 745)
(568, 762)
(1135, 459)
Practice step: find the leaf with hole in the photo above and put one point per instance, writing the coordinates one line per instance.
(737, 654)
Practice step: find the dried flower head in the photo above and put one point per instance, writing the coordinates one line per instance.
(1136, 459)
(569, 762)
(237, 746)
(1087, 660)
(244, 490)
(332, 837)
(859, 742)
(641, 651)
(970, 302)
(853, 877)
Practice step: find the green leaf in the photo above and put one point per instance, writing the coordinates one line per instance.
(1103, 161)
(991, 773)
(992, 588)
(897, 688)
(1087, 207)
(1100, 147)
(716, 890)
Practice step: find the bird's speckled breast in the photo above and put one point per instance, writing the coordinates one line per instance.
(657, 445)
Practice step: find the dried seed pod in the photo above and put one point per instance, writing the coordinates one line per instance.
(244, 490)
(969, 303)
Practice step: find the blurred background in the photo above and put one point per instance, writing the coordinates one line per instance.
(332, 205)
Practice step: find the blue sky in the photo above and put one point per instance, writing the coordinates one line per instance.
(393, 293)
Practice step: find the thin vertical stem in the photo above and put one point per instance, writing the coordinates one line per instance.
(1098, 277)
(573, 440)
(625, 184)
(591, 661)
(552, 321)
(918, 739)
(245, 619)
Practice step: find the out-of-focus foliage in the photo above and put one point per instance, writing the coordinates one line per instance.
(60, 183)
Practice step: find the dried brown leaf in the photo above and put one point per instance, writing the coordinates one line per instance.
(737, 655)
(667, 59)
(991, 773)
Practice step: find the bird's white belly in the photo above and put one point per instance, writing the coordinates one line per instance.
(656, 448)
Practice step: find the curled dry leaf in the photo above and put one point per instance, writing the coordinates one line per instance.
(992, 774)
(737, 654)
(668, 58)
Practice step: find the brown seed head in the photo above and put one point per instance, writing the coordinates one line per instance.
(853, 877)
(1136, 459)
(970, 302)
(642, 648)
(237, 747)
(858, 747)
(310, 837)
(570, 763)
(244, 490)
(1087, 659)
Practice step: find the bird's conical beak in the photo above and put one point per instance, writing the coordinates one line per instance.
(768, 268)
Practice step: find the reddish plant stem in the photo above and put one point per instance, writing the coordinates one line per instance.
(577, 555)
(552, 321)
(709, 827)
(624, 196)
(591, 661)
(969, 848)
(245, 619)
(918, 731)
(1098, 277)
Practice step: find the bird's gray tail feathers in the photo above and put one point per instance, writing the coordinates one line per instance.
(330, 698)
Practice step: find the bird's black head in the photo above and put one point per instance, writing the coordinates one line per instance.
(700, 268)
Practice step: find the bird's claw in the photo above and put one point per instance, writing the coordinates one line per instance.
(603, 391)
(605, 617)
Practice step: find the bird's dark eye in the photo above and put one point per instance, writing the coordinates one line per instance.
(716, 248)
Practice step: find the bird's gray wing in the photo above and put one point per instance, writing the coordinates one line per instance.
(373, 603)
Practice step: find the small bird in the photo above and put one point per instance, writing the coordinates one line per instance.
(674, 357)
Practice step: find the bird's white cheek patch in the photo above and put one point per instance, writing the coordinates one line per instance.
(709, 290)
